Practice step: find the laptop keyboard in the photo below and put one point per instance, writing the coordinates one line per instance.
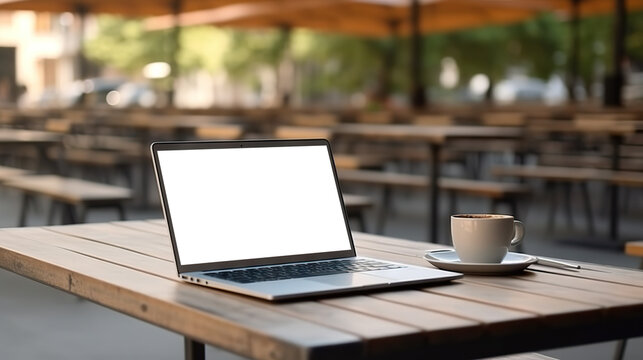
(293, 271)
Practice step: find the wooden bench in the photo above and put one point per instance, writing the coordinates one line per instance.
(553, 175)
(433, 119)
(503, 119)
(318, 120)
(498, 192)
(303, 132)
(342, 160)
(219, 131)
(589, 160)
(375, 117)
(76, 195)
(7, 173)
(571, 176)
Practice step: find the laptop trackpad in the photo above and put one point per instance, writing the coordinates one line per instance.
(348, 280)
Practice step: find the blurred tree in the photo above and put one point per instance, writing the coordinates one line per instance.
(252, 50)
(344, 64)
(634, 42)
(493, 51)
(595, 49)
(124, 44)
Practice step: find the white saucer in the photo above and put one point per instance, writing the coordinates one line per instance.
(447, 259)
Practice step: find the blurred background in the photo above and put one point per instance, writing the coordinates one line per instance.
(86, 85)
(338, 54)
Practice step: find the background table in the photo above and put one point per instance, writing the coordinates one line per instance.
(436, 137)
(617, 131)
(40, 140)
(128, 267)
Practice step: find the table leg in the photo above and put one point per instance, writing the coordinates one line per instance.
(194, 350)
(616, 144)
(22, 220)
(434, 200)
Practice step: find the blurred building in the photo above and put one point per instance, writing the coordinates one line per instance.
(38, 53)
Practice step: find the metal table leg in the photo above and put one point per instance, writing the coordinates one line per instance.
(434, 199)
(194, 350)
(616, 144)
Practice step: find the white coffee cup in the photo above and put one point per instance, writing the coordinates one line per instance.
(485, 238)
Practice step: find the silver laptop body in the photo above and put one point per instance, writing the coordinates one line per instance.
(236, 209)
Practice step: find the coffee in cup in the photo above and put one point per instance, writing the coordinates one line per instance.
(485, 238)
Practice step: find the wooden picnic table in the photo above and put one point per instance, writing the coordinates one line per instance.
(128, 267)
(617, 130)
(175, 127)
(40, 140)
(436, 137)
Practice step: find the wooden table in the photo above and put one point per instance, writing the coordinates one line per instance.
(617, 130)
(41, 140)
(128, 267)
(171, 127)
(436, 137)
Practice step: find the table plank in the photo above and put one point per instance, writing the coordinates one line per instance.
(439, 326)
(146, 226)
(621, 303)
(69, 190)
(552, 310)
(146, 243)
(496, 319)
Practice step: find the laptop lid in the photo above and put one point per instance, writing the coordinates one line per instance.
(232, 204)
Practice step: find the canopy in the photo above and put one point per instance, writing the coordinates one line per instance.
(357, 17)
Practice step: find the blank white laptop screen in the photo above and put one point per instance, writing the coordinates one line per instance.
(250, 203)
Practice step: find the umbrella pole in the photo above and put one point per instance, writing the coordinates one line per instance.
(573, 58)
(175, 46)
(418, 96)
(614, 82)
(81, 62)
(285, 71)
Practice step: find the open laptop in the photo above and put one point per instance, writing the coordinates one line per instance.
(266, 218)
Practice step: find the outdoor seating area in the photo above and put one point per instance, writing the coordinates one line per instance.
(435, 114)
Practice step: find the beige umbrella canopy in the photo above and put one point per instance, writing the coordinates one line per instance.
(388, 17)
(116, 7)
(360, 17)
(377, 17)
(356, 17)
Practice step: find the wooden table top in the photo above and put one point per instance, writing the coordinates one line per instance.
(20, 136)
(128, 267)
(586, 126)
(68, 189)
(430, 133)
(169, 122)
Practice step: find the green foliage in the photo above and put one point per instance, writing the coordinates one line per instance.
(493, 50)
(253, 49)
(125, 45)
(202, 48)
(634, 42)
(343, 63)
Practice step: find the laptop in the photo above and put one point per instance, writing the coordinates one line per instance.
(265, 218)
